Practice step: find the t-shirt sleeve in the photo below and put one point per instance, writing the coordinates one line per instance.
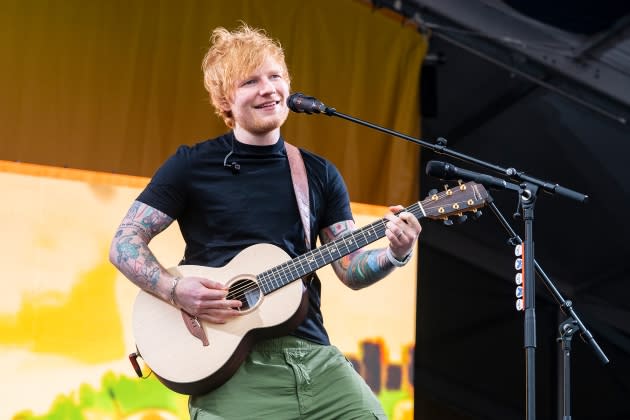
(167, 189)
(337, 198)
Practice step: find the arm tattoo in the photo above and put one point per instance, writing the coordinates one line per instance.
(360, 268)
(130, 252)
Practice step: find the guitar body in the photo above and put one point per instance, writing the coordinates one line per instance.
(181, 359)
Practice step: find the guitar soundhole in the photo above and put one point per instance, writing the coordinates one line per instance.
(246, 291)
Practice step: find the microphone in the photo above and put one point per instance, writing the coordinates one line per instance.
(299, 102)
(235, 167)
(447, 171)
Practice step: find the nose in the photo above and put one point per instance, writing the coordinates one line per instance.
(267, 87)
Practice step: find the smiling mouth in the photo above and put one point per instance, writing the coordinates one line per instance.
(267, 105)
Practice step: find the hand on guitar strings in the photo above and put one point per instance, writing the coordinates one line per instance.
(402, 230)
(205, 299)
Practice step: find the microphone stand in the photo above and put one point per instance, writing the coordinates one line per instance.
(566, 329)
(529, 187)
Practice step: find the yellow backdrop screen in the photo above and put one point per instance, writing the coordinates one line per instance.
(65, 312)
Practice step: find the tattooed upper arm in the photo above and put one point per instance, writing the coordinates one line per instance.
(144, 220)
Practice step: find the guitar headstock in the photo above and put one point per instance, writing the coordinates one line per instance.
(455, 201)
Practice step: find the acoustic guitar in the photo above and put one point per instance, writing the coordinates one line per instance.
(194, 357)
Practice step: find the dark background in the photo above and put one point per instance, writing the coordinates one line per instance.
(554, 106)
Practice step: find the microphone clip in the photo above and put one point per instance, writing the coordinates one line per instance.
(235, 167)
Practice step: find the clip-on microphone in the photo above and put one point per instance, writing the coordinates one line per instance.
(233, 166)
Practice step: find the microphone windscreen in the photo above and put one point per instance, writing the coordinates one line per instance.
(436, 168)
(291, 102)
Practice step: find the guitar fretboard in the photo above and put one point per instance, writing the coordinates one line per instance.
(313, 260)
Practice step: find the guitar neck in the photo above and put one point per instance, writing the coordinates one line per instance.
(315, 259)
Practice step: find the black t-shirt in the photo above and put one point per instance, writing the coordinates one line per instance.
(221, 212)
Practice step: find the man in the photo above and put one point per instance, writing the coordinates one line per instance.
(235, 191)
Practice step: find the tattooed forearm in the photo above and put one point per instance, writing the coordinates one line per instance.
(360, 268)
(136, 261)
(130, 252)
(366, 267)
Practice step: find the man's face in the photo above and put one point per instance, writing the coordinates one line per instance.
(259, 102)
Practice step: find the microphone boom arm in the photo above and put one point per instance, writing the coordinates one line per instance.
(439, 147)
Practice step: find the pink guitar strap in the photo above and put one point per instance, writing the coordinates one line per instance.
(300, 186)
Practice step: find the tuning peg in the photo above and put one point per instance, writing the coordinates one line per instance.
(433, 192)
(461, 219)
(476, 214)
(448, 222)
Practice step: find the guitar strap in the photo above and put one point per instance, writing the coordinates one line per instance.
(300, 186)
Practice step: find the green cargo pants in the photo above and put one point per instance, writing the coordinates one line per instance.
(289, 378)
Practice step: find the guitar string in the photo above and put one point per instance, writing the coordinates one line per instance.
(290, 271)
(268, 276)
(293, 273)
